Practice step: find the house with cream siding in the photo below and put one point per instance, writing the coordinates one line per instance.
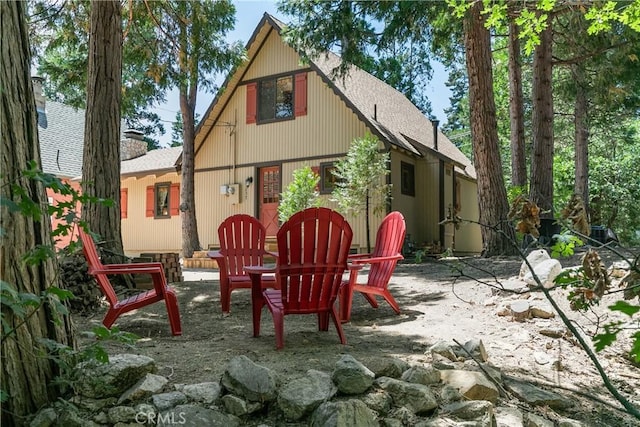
(276, 114)
(150, 198)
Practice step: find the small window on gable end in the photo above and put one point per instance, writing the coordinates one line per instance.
(407, 179)
(162, 200)
(275, 99)
(327, 178)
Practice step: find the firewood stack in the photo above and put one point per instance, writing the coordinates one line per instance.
(74, 278)
(170, 261)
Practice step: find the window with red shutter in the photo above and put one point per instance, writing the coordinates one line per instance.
(123, 202)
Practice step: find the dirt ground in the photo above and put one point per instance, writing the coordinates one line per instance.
(435, 306)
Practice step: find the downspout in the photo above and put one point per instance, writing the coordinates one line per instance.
(441, 206)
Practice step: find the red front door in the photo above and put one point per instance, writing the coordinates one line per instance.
(269, 198)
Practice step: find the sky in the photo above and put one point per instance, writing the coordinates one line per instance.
(248, 15)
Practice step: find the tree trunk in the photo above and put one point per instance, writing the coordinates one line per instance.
(581, 186)
(188, 97)
(492, 195)
(26, 370)
(101, 164)
(541, 190)
(516, 113)
(190, 240)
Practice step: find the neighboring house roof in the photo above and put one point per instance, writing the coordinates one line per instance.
(155, 161)
(385, 110)
(61, 135)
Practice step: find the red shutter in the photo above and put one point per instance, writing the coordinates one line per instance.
(252, 102)
(123, 202)
(150, 200)
(174, 200)
(301, 95)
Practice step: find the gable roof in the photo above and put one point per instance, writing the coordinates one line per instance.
(387, 112)
(61, 135)
(158, 162)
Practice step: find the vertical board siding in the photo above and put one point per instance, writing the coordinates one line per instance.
(468, 237)
(148, 234)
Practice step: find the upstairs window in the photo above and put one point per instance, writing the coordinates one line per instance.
(275, 99)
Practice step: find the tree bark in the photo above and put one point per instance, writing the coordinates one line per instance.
(101, 163)
(516, 110)
(497, 234)
(541, 190)
(26, 370)
(188, 96)
(581, 186)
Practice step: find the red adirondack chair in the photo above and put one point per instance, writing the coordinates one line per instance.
(242, 243)
(118, 306)
(313, 246)
(383, 260)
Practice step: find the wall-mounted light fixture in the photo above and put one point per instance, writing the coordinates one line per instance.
(248, 181)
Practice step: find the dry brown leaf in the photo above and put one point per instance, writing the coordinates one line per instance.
(595, 271)
(576, 213)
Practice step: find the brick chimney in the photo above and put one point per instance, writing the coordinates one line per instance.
(133, 145)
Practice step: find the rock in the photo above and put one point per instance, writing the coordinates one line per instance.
(351, 376)
(196, 416)
(378, 400)
(114, 377)
(302, 396)
(534, 258)
(534, 420)
(568, 422)
(404, 415)
(450, 394)
(207, 392)
(471, 385)
(44, 418)
(92, 405)
(469, 410)
(388, 367)
(239, 407)
(507, 416)
(546, 271)
(147, 386)
(416, 397)
(476, 348)
(121, 414)
(164, 401)
(536, 396)
(443, 349)
(253, 382)
(352, 413)
(426, 375)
